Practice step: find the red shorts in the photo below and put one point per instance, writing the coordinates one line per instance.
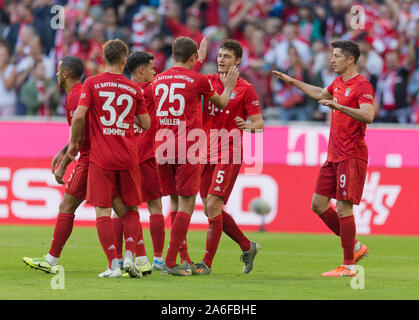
(342, 180)
(104, 185)
(149, 180)
(180, 179)
(77, 183)
(218, 179)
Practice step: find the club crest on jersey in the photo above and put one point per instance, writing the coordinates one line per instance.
(347, 92)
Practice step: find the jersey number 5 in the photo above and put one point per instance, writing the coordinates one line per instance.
(107, 106)
(172, 98)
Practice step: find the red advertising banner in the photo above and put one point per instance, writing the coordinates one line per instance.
(30, 195)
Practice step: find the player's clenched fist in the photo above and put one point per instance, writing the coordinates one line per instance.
(57, 160)
(59, 174)
(73, 149)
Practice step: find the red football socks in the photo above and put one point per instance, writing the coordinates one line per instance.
(177, 236)
(131, 220)
(140, 248)
(331, 219)
(62, 232)
(118, 229)
(231, 229)
(157, 233)
(106, 238)
(183, 250)
(347, 239)
(215, 229)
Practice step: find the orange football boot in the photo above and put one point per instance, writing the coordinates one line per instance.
(361, 253)
(341, 271)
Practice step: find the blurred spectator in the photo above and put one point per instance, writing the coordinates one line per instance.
(26, 65)
(192, 26)
(112, 31)
(41, 10)
(66, 44)
(39, 93)
(293, 103)
(216, 36)
(362, 69)
(146, 24)
(22, 49)
(320, 60)
(392, 91)
(7, 82)
(126, 11)
(13, 34)
(92, 49)
(375, 62)
(413, 89)
(278, 55)
(309, 25)
(156, 49)
(333, 19)
(322, 78)
(253, 67)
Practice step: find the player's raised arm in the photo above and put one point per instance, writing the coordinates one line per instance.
(229, 80)
(77, 127)
(314, 92)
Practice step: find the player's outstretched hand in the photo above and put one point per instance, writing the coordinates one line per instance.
(241, 124)
(229, 80)
(284, 77)
(202, 51)
(73, 149)
(329, 103)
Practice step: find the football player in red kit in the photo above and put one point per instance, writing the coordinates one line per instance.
(70, 70)
(177, 94)
(224, 157)
(113, 102)
(342, 176)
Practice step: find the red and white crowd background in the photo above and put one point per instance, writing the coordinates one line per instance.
(292, 156)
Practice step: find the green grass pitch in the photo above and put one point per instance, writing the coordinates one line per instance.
(289, 266)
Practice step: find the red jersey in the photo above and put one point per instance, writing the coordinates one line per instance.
(243, 102)
(145, 138)
(113, 101)
(177, 95)
(346, 139)
(71, 104)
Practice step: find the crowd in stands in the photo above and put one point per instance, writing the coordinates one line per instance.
(289, 35)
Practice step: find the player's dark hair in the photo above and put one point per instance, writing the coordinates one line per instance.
(114, 51)
(73, 65)
(183, 48)
(233, 45)
(137, 59)
(348, 48)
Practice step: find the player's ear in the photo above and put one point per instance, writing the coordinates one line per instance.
(238, 61)
(141, 69)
